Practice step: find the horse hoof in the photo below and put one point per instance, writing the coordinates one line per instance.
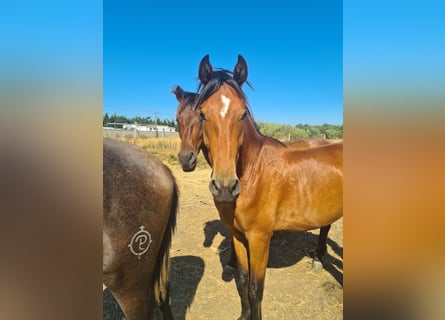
(317, 265)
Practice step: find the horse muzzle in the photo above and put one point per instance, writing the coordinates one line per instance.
(188, 160)
(225, 192)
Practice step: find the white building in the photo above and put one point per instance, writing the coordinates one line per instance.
(148, 127)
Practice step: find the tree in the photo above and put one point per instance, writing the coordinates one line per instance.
(284, 131)
(106, 120)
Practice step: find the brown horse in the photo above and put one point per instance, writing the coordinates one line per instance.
(190, 132)
(259, 184)
(140, 206)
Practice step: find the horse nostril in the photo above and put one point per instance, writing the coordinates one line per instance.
(216, 185)
(236, 187)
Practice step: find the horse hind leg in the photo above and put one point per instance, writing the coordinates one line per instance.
(134, 303)
(321, 248)
(137, 305)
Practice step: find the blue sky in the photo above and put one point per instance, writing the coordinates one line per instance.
(293, 51)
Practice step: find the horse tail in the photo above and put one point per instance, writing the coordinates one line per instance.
(160, 279)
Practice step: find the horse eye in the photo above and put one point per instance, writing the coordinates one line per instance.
(244, 115)
(202, 116)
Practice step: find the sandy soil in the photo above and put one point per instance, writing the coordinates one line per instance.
(201, 246)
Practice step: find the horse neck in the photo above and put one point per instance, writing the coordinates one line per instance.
(250, 149)
(205, 152)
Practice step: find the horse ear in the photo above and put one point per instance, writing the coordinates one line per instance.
(205, 70)
(240, 71)
(179, 93)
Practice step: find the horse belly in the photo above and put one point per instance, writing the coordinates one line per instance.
(306, 213)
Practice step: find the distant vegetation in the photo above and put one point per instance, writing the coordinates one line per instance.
(278, 131)
(289, 132)
(114, 118)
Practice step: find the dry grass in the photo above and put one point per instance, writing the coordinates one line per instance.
(165, 148)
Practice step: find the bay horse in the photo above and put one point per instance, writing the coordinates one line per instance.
(190, 133)
(190, 130)
(140, 202)
(260, 185)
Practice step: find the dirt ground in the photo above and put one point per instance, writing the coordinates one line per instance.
(201, 246)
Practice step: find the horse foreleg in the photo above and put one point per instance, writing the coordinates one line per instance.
(321, 248)
(232, 261)
(258, 257)
(242, 281)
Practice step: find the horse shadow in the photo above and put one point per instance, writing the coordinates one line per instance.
(110, 308)
(286, 249)
(185, 274)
